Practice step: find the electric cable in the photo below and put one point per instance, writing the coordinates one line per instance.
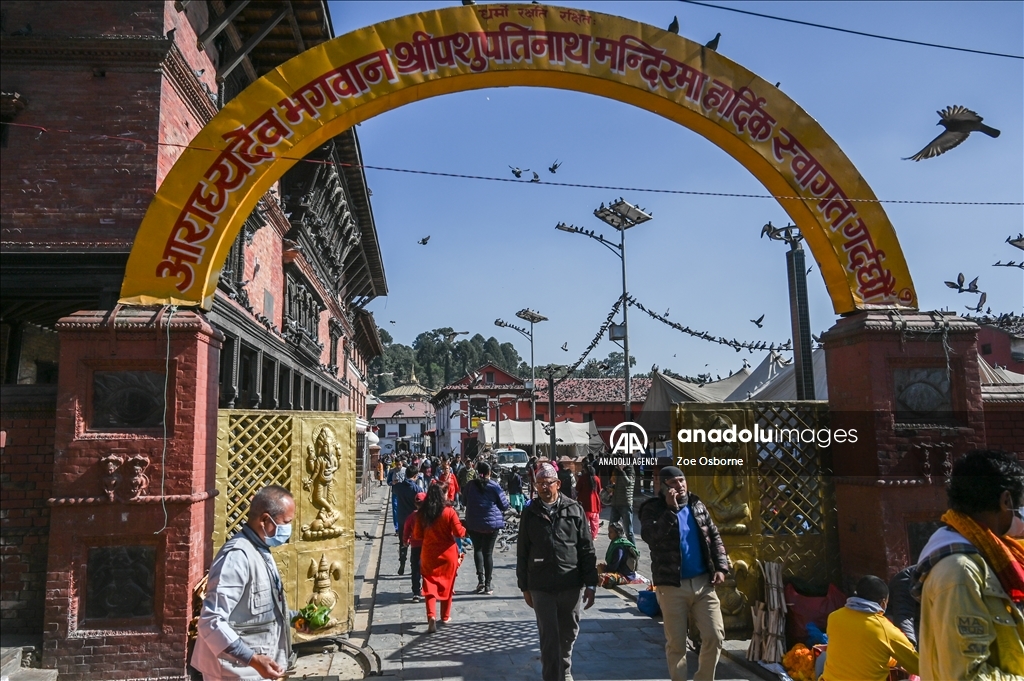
(851, 31)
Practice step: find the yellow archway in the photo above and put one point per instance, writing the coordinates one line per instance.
(190, 226)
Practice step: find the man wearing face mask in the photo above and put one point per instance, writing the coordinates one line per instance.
(243, 626)
(971, 575)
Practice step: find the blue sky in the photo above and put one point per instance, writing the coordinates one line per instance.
(494, 250)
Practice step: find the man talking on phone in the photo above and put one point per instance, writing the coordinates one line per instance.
(688, 560)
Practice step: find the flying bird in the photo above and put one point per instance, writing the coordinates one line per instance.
(565, 346)
(393, 321)
(973, 286)
(981, 304)
(674, 26)
(758, 321)
(536, 177)
(519, 173)
(958, 285)
(713, 43)
(424, 240)
(666, 311)
(959, 122)
(808, 270)
(553, 168)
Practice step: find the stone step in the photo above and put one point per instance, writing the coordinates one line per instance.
(10, 660)
(28, 674)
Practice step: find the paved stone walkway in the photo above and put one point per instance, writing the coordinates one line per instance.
(495, 637)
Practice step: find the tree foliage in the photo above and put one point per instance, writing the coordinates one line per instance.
(439, 357)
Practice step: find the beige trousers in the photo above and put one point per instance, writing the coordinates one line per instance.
(693, 598)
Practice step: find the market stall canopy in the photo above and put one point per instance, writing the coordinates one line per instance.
(572, 439)
(783, 386)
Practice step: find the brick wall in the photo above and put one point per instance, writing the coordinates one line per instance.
(1004, 426)
(27, 415)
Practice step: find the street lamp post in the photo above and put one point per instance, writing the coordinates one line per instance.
(620, 215)
(526, 314)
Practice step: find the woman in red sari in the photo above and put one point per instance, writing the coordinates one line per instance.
(588, 493)
(438, 525)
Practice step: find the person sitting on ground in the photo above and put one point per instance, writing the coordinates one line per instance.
(861, 641)
(620, 560)
(904, 610)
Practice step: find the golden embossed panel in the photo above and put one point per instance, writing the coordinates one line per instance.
(772, 501)
(312, 454)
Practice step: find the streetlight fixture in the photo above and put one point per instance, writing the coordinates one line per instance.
(799, 312)
(533, 317)
(620, 215)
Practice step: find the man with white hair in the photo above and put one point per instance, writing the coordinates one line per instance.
(557, 570)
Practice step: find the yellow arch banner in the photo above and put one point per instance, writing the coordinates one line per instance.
(189, 227)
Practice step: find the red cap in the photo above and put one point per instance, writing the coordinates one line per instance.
(420, 497)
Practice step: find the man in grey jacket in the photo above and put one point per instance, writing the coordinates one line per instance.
(244, 624)
(557, 571)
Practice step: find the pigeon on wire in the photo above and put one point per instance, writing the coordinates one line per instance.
(674, 26)
(424, 240)
(553, 168)
(536, 177)
(713, 43)
(959, 122)
(1018, 242)
(1012, 263)
(758, 321)
(519, 172)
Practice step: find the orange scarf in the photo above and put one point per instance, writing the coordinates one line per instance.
(1004, 555)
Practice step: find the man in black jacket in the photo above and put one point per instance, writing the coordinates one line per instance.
(688, 560)
(554, 561)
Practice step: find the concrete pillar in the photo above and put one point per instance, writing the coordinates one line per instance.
(909, 385)
(132, 507)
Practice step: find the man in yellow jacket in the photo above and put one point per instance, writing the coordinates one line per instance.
(861, 641)
(972, 571)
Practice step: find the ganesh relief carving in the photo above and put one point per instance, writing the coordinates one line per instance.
(322, 460)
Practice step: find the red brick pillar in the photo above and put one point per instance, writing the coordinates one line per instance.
(910, 386)
(132, 508)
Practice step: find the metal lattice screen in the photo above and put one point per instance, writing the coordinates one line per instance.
(258, 454)
(793, 494)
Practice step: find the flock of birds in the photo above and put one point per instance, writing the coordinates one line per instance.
(958, 123)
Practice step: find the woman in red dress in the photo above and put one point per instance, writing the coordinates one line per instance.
(588, 493)
(438, 525)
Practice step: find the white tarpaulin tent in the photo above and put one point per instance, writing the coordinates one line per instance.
(573, 439)
(783, 385)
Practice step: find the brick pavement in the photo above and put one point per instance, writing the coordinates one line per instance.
(495, 637)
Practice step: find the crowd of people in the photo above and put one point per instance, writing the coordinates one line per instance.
(956, 613)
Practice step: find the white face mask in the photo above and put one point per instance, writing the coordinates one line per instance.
(282, 533)
(1017, 525)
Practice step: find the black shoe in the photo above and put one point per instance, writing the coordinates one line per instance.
(480, 588)
(488, 589)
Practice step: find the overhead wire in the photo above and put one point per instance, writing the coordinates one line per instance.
(542, 183)
(853, 32)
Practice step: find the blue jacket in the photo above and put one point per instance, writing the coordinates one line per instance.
(405, 492)
(485, 506)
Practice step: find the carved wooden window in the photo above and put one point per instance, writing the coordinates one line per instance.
(120, 582)
(302, 310)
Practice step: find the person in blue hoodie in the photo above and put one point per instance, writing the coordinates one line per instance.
(486, 504)
(405, 492)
